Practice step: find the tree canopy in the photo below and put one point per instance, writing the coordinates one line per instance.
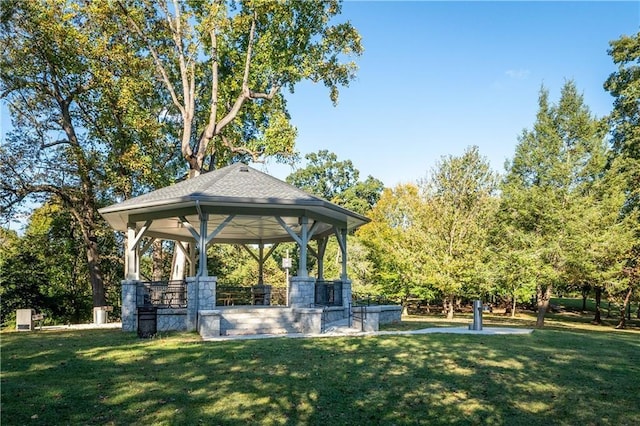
(337, 181)
(224, 65)
(105, 96)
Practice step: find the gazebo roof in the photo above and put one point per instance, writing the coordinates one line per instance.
(255, 199)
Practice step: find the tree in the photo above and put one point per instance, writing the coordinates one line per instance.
(43, 270)
(454, 220)
(552, 199)
(514, 263)
(224, 65)
(624, 120)
(337, 181)
(84, 129)
(17, 289)
(391, 245)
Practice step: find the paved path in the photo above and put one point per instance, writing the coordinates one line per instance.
(339, 330)
(349, 332)
(81, 326)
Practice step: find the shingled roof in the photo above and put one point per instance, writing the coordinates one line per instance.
(256, 199)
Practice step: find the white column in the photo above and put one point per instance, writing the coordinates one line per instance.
(341, 236)
(304, 240)
(322, 247)
(343, 246)
(202, 246)
(132, 263)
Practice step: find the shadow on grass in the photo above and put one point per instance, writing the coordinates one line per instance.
(111, 377)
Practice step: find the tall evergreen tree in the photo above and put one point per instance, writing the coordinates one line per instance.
(624, 86)
(552, 198)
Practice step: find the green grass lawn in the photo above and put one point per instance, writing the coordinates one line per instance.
(574, 375)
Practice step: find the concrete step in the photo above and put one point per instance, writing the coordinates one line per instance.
(245, 321)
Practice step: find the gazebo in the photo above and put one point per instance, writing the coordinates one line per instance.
(236, 205)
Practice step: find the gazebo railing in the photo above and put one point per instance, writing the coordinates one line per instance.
(361, 299)
(257, 295)
(162, 294)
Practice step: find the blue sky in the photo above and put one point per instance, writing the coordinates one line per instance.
(437, 77)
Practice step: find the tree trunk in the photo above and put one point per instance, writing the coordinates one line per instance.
(623, 308)
(450, 307)
(93, 262)
(158, 264)
(178, 263)
(598, 318)
(585, 293)
(513, 307)
(544, 296)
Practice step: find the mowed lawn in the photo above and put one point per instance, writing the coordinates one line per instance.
(572, 376)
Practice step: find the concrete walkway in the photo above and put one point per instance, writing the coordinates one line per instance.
(351, 332)
(91, 326)
(338, 329)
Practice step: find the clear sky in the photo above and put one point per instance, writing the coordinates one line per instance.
(437, 77)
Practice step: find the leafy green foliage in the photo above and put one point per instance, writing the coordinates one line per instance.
(389, 237)
(559, 212)
(430, 240)
(624, 86)
(84, 117)
(337, 181)
(456, 214)
(223, 66)
(44, 272)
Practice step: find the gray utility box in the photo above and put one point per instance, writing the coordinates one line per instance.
(25, 318)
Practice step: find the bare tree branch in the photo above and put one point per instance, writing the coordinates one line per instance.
(247, 62)
(255, 155)
(56, 143)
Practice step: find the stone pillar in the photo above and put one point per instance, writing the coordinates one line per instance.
(192, 298)
(201, 295)
(302, 292)
(129, 313)
(207, 293)
(309, 320)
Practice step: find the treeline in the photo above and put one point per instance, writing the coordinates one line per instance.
(561, 219)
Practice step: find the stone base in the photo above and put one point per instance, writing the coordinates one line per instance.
(209, 323)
